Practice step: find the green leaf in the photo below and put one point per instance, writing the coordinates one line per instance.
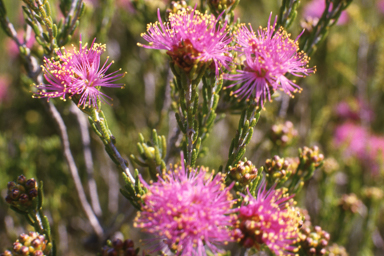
(40, 196)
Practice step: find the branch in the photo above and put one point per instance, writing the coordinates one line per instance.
(86, 141)
(73, 169)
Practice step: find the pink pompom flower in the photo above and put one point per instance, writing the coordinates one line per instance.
(191, 37)
(78, 73)
(188, 209)
(269, 219)
(269, 56)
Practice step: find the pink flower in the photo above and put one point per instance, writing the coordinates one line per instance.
(191, 37)
(356, 141)
(269, 56)
(188, 209)
(4, 83)
(316, 8)
(380, 6)
(269, 219)
(353, 138)
(78, 73)
(354, 109)
(126, 5)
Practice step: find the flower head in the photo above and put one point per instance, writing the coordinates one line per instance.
(78, 72)
(190, 37)
(269, 55)
(353, 138)
(187, 210)
(269, 219)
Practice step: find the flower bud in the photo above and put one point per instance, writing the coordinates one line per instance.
(11, 185)
(330, 165)
(314, 242)
(21, 194)
(31, 183)
(350, 203)
(337, 250)
(243, 173)
(277, 169)
(218, 6)
(177, 7)
(373, 193)
(116, 247)
(6, 253)
(283, 135)
(21, 179)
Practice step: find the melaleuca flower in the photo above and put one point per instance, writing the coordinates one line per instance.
(188, 209)
(269, 56)
(191, 39)
(78, 73)
(269, 219)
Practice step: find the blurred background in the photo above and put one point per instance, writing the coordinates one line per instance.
(338, 111)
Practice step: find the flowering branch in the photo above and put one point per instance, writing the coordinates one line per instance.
(26, 198)
(34, 72)
(72, 10)
(99, 124)
(329, 18)
(151, 154)
(288, 13)
(248, 120)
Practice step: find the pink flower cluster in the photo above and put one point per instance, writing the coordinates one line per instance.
(356, 140)
(269, 56)
(191, 37)
(78, 73)
(269, 219)
(188, 209)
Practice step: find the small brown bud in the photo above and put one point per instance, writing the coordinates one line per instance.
(23, 237)
(128, 243)
(31, 183)
(24, 250)
(130, 252)
(21, 179)
(117, 244)
(38, 253)
(36, 242)
(11, 185)
(32, 193)
(312, 251)
(8, 199)
(111, 252)
(23, 199)
(17, 246)
(15, 193)
(6, 253)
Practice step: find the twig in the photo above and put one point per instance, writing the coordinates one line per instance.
(73, 169)
(172, 144)
(86, 141)
(100, 126)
